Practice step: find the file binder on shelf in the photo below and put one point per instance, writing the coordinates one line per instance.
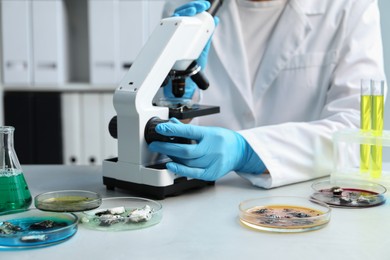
(103, 43)
(49, 42)
(85, 118)
(117, 31)
(71, 128)
(132, 33)
(16, 42)
(91, 133)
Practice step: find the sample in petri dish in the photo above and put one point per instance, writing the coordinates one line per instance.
(123, 213)
(284, 214)
(68, 201)
(349, 193)
(34, 228)
(175, 103)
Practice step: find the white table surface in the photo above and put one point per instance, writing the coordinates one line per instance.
(203, 224)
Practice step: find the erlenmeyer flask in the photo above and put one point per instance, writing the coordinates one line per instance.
(14, 192)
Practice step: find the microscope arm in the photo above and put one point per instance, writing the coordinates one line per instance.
(174, 44)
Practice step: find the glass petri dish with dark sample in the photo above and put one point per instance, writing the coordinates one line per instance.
(349, 193)
(284, 214)
(34, 228)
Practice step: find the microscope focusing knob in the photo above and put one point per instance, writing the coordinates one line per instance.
(150, 132)
(113, 127)
(151, 135)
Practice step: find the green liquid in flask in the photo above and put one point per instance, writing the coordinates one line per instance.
(14, 192)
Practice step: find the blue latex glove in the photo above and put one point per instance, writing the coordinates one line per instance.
(191, 9)
(217, 151)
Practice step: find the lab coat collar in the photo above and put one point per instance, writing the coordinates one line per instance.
(284, 42)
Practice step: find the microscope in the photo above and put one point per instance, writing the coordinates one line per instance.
(169, 54)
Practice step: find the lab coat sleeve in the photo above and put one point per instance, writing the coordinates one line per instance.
(299, 151)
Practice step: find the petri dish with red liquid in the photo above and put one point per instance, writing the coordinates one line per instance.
(349, 193)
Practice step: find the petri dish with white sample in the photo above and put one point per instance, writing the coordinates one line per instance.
(122, 213)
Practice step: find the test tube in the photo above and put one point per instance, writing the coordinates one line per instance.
(365, 123)
(377, 88)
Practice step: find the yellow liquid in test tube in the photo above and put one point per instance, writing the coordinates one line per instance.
(365, 121)
(377, 127)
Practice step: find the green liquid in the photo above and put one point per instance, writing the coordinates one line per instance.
(365, 121)
(377, 127)
(14, 192)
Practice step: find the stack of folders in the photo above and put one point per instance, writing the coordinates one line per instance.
(85, 118)
(34, 42)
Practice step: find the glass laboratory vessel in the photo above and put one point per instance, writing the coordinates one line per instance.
(365, 123)
(377, 125)
(14, 192)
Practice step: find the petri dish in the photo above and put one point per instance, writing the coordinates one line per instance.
(123, 213)
(34, 228)
(349, 193)
(68, 201)
(284, 214)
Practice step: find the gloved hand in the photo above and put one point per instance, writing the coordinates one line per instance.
(191, 9)
(217, 151)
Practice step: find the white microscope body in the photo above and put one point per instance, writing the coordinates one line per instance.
(175, 44)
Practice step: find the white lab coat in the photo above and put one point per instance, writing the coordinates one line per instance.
(307, 85)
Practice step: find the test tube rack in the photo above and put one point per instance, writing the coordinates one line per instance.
(346, 146)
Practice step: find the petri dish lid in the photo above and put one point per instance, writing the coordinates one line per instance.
(68, 201)
(349, 193)
(34, 228)
(122, 213)
(284, 214)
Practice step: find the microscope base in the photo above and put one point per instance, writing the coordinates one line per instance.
(180, 185)
(154, 181)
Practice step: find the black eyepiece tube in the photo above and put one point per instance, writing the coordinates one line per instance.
(215, 5)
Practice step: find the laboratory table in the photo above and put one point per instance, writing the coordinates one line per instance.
(204, 224)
